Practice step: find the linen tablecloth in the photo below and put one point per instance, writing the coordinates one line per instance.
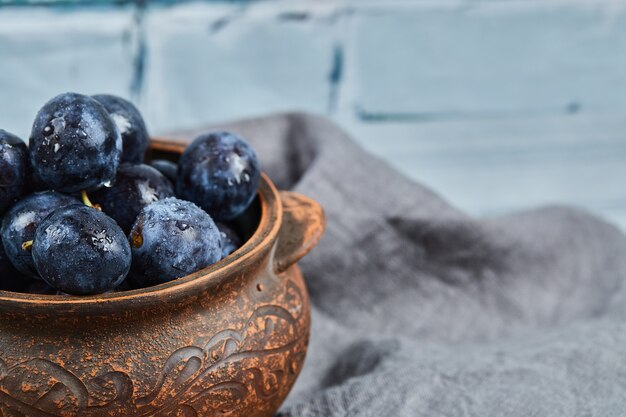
(422, 310)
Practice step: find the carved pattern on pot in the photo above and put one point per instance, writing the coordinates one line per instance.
(194, 381)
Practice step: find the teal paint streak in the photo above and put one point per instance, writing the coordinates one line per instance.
(335, 77)
(140, 55)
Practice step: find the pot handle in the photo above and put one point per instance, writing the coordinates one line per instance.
(302, 227)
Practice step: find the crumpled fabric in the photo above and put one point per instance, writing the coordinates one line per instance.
(422, 310)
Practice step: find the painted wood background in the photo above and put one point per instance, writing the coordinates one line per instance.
(498, 105)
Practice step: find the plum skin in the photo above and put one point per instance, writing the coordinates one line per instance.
(14, 168)
(20, 223)
(172, 238)
(230, 240)
(220, 172)
(130, 123)
(165, 167)
(74, 145)
(135, 187)
(80, 250)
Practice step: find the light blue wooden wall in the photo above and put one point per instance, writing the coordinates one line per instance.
(498, 105)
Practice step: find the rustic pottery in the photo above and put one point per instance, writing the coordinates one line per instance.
(229, 340)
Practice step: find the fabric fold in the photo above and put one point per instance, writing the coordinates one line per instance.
(422, 310)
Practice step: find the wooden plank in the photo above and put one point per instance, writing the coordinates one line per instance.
(212, 62)
(44, 53)
(488, 59)
(494, 166)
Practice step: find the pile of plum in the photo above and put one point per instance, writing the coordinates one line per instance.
(83, 214)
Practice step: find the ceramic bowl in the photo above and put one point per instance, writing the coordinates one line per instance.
(228, 340)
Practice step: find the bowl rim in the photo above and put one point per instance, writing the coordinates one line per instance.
(255, 248)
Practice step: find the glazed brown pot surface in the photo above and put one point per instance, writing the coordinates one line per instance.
(229, 340)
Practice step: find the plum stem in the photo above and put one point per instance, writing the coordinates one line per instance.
(27, 245)
(86, 201)
(136, 240)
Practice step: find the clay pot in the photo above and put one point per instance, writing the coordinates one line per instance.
(229, 340)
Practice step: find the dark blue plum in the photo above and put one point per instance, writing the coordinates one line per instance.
(167, 168)
(230, 240)
(20, 223)
(170, 239)
(13, 169)
(135, 187)
(130, 124)
(219, 172)
(10, 278)
(74, 144)
(79, 250)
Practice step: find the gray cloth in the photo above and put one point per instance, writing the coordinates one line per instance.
(422, 310)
